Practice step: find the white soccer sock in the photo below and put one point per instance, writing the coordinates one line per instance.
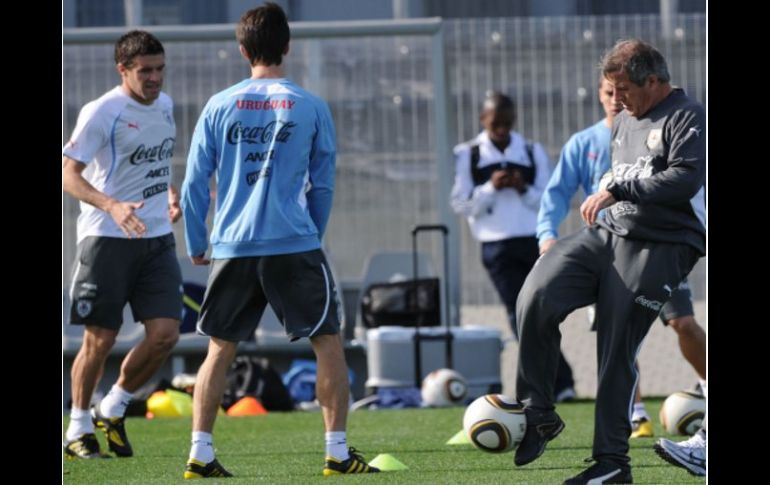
(202, 447)
(80, 424)
(115, 403)
(337, 445)
(702, 383)
(639, 412)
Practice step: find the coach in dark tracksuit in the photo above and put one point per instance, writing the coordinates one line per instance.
(651, 236)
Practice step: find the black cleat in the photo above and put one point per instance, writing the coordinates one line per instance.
(602, 472)
(85, 447)
(197, 469)
(542, 427)
(354, 464)
(115, 431)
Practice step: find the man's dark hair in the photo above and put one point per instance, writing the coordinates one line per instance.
(497, 102)
(264, 33)
(136, 43)
(638, 59)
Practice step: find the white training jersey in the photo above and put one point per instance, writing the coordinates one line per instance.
(128, 148)
(494, 215)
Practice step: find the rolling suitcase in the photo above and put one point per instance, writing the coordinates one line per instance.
(398, 352)
(418, 336)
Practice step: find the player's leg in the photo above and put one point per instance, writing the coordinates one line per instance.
(230, 312)
(86, 372)
(641, 424)
(562, 280)
(97, 298)
(678, 314)
(207, 396)
(630, 296)
(155, 282)
(301, 290)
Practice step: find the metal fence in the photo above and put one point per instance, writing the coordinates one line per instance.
(394, 131)
(549, 66)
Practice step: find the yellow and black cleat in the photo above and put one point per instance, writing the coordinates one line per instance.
(642, 428)
(86, 447)
(198, 469)
(115, 431)
(354, 464)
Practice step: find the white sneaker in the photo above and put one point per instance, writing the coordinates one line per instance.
(689, 454)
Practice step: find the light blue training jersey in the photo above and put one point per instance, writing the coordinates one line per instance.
(272, 147)
(583, 161)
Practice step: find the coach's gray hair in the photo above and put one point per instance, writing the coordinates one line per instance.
(637, 58)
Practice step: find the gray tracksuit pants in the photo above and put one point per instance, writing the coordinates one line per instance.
(629, 280)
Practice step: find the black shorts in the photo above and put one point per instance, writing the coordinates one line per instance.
(298, 286)
(111, 271)
(679, 305)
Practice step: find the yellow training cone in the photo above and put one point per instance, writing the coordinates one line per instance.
(169, 404)
(459, 439)
(387, 463)
(159, 405)
(181, 401)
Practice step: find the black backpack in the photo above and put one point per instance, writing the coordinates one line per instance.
(253, 376)
(481, 175)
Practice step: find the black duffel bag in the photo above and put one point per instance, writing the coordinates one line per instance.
(405, 303)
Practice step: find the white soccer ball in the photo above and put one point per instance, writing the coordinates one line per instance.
(682, 412)
(495, 423)
(443, 387)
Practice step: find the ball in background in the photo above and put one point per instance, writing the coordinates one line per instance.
(443, 387)
(682, 412)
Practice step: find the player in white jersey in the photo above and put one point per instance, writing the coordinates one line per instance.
(118, 165)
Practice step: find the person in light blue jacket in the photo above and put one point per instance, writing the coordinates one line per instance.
(271, 145)
(584, 160)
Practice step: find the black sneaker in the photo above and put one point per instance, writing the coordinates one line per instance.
(542, 427)
(85, 447)
(115, 431)
(602, 472)
(198, 469)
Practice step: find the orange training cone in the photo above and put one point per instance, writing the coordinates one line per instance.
(247, 406)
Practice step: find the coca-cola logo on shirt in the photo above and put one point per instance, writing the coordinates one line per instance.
(157, 153)
(237, 133)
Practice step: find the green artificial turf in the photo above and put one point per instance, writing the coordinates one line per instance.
(289, 448)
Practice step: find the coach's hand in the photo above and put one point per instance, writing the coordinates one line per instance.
(595, 203)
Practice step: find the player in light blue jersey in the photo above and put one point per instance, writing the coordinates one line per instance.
(271, 145)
